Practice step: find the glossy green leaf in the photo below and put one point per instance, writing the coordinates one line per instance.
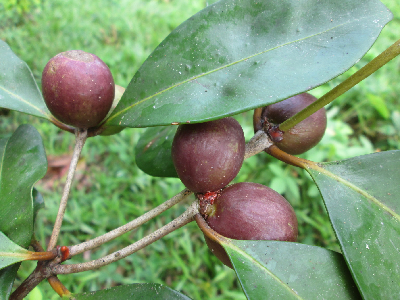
(38, 203)
(284, 270)
(22, 163)
(237, 55)
(153, 151)
(138, 291)
(10, 253)
(18, 88)
(362, 196)
(7, 277)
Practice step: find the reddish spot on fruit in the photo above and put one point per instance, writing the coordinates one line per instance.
(64, 253)
(207, 199)
(275, 133)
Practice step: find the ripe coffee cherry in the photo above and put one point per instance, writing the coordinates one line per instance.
(301, 137)
(207, 156)
(250, 211)
(78, 88)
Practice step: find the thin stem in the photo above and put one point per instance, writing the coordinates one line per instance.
(88, 245)
(182, 220)
(30, 282)
(343, 87)
(62, 125)
(258, 143)
(289, 159)
(80, 137)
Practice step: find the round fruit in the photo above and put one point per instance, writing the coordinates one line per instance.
(301, 137)
(207, 156)
(78, 88)
(250, 211)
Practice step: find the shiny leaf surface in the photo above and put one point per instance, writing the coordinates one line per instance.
(18, 88)
(153, 151)
(10, 253)
(362, 196)
(237, 55)
(284, 270)
(23, 162)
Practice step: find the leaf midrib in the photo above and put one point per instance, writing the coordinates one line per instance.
(357, 189)
(229, 65)
(273, 276)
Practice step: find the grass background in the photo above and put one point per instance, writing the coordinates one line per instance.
(110, 190)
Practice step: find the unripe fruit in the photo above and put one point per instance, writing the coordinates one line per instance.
(250, 211)
(207, 156)
(78, 88)
(301, 137)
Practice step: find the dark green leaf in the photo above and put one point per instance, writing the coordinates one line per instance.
(284, 270)
(22, 163)
(140, 291)
(18, 88)
(38, 203)
(237, 55)
(7, 277)
(153, 151)
(361, 195)
(11, 253)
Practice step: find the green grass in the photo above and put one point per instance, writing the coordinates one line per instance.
(111, 190)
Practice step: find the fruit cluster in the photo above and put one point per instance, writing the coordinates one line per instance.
(208, 156)
(79, 90)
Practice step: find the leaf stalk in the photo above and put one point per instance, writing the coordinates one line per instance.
(364, 72)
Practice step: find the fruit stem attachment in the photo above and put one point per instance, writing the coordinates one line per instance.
(258, 143)
(88, 245)
(80, 139)
(177, 223)
(54, 282)
(344, 86)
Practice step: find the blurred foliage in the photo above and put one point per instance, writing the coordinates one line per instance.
(15, 12)
(110, 190)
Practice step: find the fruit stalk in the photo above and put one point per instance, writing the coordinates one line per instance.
(344, 86)
(88, 245)
(80, 139)
(258, 143)
(182, 220)
(289, 159)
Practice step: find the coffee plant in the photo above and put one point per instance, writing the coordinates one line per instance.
(233, 56)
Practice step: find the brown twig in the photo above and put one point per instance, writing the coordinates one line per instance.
(31, 282)
(88, 245)
(182, 220)
(81, 135)
(258, 143)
